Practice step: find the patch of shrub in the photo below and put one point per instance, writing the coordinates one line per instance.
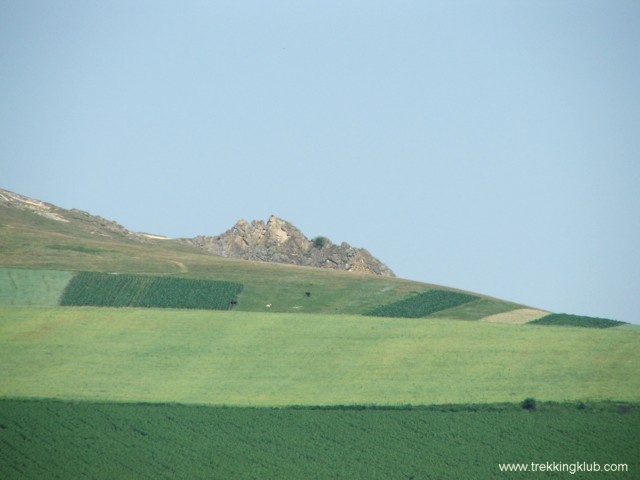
(320, 242)
(529, 404)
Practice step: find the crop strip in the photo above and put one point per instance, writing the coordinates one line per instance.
(422, 304)
(577, 321)
(120, 290)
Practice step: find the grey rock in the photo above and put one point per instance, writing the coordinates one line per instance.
(281, 242)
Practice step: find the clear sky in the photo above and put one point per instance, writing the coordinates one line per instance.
(487, 145)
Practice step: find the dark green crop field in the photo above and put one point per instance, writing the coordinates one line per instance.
(64, 440)
(118, 290)
(577, 321)
(423, 304)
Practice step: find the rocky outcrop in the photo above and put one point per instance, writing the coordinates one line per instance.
(20, 202)
(279, 241)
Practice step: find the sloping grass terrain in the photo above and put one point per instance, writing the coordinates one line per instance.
(32, 287)
(49, 439)
(29, 241)
(242, 358)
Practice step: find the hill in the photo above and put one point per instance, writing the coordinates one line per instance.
(375, 321)
(307, 373)
(38, 235)
(276, 241)
(275, 264)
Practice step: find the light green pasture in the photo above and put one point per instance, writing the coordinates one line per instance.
(244, 358)
(32, 287)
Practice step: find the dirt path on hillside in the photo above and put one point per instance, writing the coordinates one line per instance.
(183, 268)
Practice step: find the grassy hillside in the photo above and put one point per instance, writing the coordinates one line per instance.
(31, 241)
(240, 358)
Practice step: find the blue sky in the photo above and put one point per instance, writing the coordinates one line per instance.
(492, 146)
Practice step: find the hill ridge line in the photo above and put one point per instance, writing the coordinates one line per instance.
(274, 241)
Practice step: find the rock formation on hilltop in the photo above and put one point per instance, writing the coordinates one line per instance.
(279, 241)
(274, 241)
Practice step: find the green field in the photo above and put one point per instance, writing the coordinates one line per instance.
(308, 388)
(240, 358)
(48, 439)
(564, 319)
